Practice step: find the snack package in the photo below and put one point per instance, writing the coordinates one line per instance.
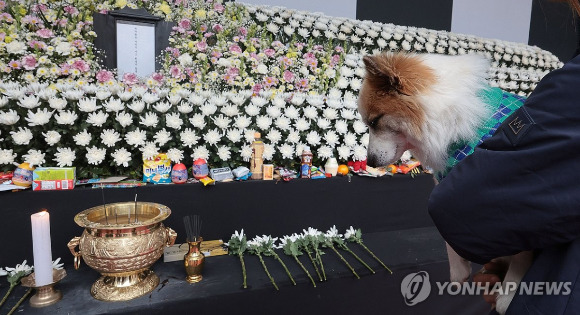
(157, 170)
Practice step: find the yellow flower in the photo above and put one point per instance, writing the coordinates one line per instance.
(165, 8)
(41, 71)
(7, 39)
(121, 3)
(200, 14)
(291, 54)
(22, 11)
(190, 44)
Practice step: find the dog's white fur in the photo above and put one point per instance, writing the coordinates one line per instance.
(452, 112)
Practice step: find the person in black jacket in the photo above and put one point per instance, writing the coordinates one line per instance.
(520, 191)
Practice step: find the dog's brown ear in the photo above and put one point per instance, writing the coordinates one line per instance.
(383, 75)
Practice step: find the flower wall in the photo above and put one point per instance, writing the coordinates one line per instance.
(231, 69)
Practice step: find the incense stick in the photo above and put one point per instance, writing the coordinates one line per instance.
(192, 227)
(104, 205)
(136, 219)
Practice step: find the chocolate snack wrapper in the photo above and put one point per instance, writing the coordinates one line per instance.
(157, 170)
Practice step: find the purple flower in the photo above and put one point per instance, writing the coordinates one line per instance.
(243, 31)
(44, 33)
(269, 52)
(217, 28)
(235, 49)
(157, 76)
(29, 62)
(201, 46)
(185, 23)
(218, 8)
(288, 76)
(81, 65)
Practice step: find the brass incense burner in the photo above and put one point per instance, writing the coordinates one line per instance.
(121, 241)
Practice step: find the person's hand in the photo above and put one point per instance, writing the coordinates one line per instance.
(491, 273)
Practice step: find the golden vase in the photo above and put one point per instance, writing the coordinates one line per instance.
(121, 241)
(194, 261)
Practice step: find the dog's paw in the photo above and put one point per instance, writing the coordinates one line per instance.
(502, 302)
(459, 273)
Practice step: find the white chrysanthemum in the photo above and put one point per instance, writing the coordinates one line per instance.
(212, 137)
(246, 153)
(124, 119)
(149, 150)
(30, 102)
(162, 137)
(360, 153)
(95, 156)
(185, 108)
(66, 117)
(103, 94)
(173, 121)
(136, 137)
(324, 152)
(330, 113)
(15, 92)
(137, 106)
(355, 84)
(293, 136)
(218, 100)
(97, 119)
(82, 138)
(302, 124)
(331, 138)
(287, 151)
(249, 135)
(224, 153)
(9, 117)
(350, 139)
(150, 98)
(348, 114)
(273, 111)
(334, 93)
(198, 121)
(88, 105)
(114, 105)
(313, 138)
(263, 122)
(279, 101)
(344, 152)
(200, 152)
(73, 95)
(230, 110)
(292, 112)
(364, 140)
(34, 157)
(121, 157)
(221, 121)
(51, 137)
(341, 126)
(359, 127)
(242, 122)
(323, 123)
(283, 123)
(7, 156)
(234, 135)
(274, 136)
(342, 83)
(64, 157)
(208, 109)
(188, 138)
(162, 107)
(252, 110)
(150, 120)
(125, 96)
(269, 151)
(22, 136)
(310, 112)
(110, 137)
(41, 117)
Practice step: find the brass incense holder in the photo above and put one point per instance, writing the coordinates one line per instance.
(194, 261)
(121, 241)
(45, 295)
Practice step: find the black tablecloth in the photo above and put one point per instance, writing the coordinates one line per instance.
(391, 212)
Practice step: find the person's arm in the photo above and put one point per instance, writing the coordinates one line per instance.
(520, 190)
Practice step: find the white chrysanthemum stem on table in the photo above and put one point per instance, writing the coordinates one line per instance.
(343, 246)
(328, 242)
(255, 247)
(268, 246)
(14, 276)
(355, 236)
(237, 245)
(288, 243)
(22, 299)
(310, 241)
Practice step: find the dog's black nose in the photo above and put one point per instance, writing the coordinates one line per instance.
(371, 161)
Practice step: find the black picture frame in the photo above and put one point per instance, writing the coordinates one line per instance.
(105, 25)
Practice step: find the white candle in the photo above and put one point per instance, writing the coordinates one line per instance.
(41, 248)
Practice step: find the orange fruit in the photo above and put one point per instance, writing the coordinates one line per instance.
(342, 169)
(392, 168)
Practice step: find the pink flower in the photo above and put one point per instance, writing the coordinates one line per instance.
(218, 8)
(256, 89)
(157, 76)
(104, 76)
(217, 28)
(235, 49)
(335, 60)
(208, 34)
(185, 23)
(288, 76)
(71, 10)
(269, 81)
(130, 78)
(243, 31)
(269, 52)
(203, 27)
(2, 36)
(175, 72)
(14, 64)
(29, 62)
(81, 65)
(34, 44)
(201, 46)
(216, 54)
(44, 33)
(339, 49)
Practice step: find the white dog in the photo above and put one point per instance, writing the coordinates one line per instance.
(426, 104)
